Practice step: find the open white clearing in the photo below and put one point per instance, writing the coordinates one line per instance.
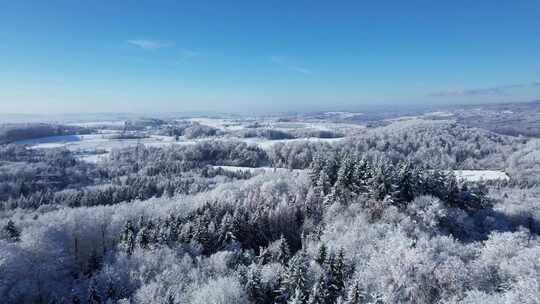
(481, 175)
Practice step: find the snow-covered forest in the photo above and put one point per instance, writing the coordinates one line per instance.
(318, 209)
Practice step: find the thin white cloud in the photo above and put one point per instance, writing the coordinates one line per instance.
(149, 44)
(284, 62)
(277, 59)
(185, 55)
(492, 91)
(300, 70)
(188, 54)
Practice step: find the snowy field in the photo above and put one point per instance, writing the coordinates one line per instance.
(95, 124)
(258, 169)
(95, 147)
(266, 143)
(343, 114)
(227, 124)
(86, 145)
(481, 175)
(220, 123)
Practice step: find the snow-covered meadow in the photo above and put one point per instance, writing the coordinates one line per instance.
(96, 147)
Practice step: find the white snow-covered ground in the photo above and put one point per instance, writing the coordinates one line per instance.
(481, 175)
(220, 123)
(321, 126)
(93, 141)
(439, 114)
(259, 170)
(94, 158)
(344, 114)
(236, 124)
(88, 146)
(94, 124)
(266, 144)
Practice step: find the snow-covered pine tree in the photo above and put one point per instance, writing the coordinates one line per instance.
(319, 292)
(314, 204)
(322, 254)
(324, 183)
(354, 294)
(345, 172)
(11, 232)
(336, 275)
(340, 192)
(295, 278)
(164, 233)
(297, 298)
(225, 229)
(127, 240)
(381, 184)
(143, 238)
(284, 253)
(254, 286)
(405, 183)
(317, 165)
(264, 256)
(362, 174)
(451, 190)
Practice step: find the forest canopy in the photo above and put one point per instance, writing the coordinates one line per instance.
(379, 217)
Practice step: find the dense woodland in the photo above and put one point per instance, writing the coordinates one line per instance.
(378, 217)
(15, 132)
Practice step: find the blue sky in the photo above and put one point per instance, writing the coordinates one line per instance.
(243, 56)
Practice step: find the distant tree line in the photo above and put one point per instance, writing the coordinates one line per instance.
(14, 132)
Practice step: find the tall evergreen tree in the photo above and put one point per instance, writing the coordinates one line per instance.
(354, 295)
(381, 183)
(200, 234)
(284, 253)
(362, 174)
(322, 254)
(295, 279)
(297, 298)
(314, 204)
(451, 190)
(336, 275)
(317, 165)
(323, 183)
(225, 229)
(127, 241)
(338, 272)
(319, 293)
(10, 232)
(143, 238)
(406, 183)
(345, 172)
(254, 286)
(338, 194)
(164, 233)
